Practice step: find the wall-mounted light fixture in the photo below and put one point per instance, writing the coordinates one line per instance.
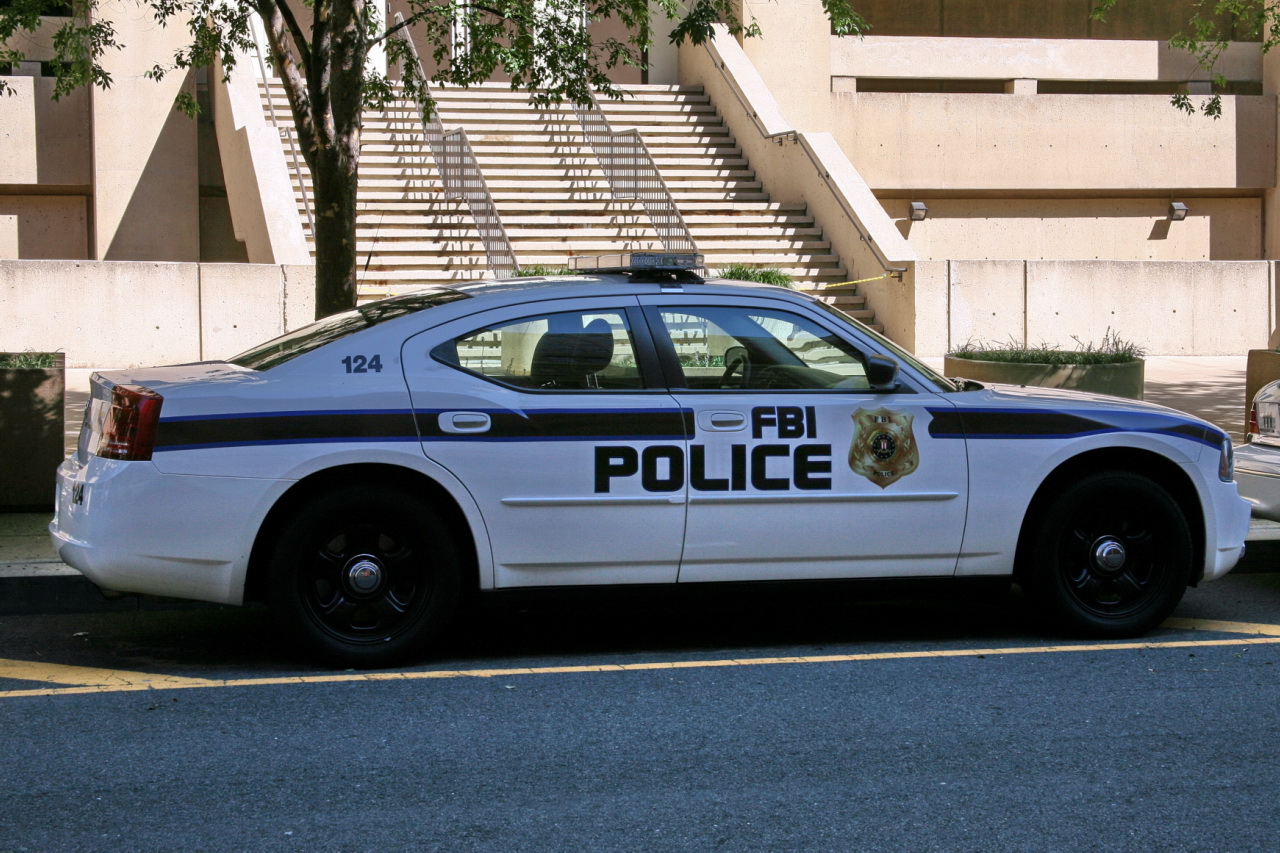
(1177, 211)
(919, 210)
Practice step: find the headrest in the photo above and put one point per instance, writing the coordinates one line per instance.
(565, 360)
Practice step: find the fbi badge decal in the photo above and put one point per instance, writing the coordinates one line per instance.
(884, 447)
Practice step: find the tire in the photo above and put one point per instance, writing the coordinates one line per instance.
(1112, 556)
(364, 576)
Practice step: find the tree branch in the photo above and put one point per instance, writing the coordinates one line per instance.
(299, 37)
(295, 85)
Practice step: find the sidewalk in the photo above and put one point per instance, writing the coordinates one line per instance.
(33, 580)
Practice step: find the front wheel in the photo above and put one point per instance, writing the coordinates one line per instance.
(364, 576)
(1112, 557)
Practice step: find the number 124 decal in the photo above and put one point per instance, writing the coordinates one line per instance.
(363, 364)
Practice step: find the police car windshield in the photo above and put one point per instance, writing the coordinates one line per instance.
(300, 341)
(903, 357)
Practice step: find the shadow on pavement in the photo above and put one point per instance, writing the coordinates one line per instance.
(1219, 400)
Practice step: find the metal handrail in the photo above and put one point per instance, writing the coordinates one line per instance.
(461, 178)
(287, 133)
(633, 174)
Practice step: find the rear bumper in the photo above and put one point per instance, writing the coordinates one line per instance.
(128, 527)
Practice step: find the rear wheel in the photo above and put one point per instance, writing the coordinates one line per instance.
(364, 576)
(1112, 557)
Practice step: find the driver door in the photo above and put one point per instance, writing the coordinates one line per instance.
(797, 467)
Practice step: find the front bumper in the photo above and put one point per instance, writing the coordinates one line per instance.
(128, 527)
(1258, 478)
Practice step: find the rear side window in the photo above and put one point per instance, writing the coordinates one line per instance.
(301, 341)
(571, 351)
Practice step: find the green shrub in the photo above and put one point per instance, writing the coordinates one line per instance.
(1112, 350)
(27, 360)
(762, 275)
(538, 270)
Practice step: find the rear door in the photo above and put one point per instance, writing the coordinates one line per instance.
(553, 417)
(796, 467)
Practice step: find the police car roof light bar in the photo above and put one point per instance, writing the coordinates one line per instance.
(637, 262)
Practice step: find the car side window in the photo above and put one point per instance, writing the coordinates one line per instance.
(569, 351)
(739, 348)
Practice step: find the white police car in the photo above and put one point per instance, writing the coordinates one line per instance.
(637, 426)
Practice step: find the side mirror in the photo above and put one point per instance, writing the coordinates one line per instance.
(882, 373)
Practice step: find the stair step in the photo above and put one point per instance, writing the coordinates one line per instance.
(386, 151)
(567, 196)
(675, 126)
(499, 162)
(555, 201)
(385, 230)
(502, 90)
(754, 253)
(522, 205)
(504, 142)
(476, 268)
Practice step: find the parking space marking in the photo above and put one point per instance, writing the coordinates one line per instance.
(113, 681)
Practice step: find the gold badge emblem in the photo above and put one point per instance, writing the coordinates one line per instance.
(884, 448)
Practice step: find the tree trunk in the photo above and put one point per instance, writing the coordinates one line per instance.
(334, 181)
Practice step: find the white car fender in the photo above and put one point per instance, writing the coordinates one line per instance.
(1002, 479)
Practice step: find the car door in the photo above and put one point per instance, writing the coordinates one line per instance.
(797, 467)
(530, 407)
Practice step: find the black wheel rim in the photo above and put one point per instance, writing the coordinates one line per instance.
(366, 583)
(1113, 559)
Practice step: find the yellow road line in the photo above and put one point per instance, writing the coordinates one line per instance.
(1224, 627)
(160, 682)
(56, 673)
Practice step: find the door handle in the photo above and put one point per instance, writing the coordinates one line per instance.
(464, 423)
(721, 421)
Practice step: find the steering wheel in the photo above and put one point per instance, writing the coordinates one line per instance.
(736, 360)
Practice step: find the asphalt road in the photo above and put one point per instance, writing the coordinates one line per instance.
(762, 721)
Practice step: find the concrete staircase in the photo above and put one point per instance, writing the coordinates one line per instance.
(554, 199)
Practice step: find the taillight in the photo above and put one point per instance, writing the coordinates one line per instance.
(1253, 422)
(129, 431)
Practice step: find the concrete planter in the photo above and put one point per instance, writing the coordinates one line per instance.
(1262, 367)
(31, 435)
(1118, 380)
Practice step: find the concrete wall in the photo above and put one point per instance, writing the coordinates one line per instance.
(120, 314)
(44, 227)
(789, 57)
(1054, 142)
(260, 195)
(146, 192)
(1034, 59)
(1082, 228)
(810, 168)
(44, 171)
(1049, 19)
(18, 132)
(1170, 308)
(1271, 198)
